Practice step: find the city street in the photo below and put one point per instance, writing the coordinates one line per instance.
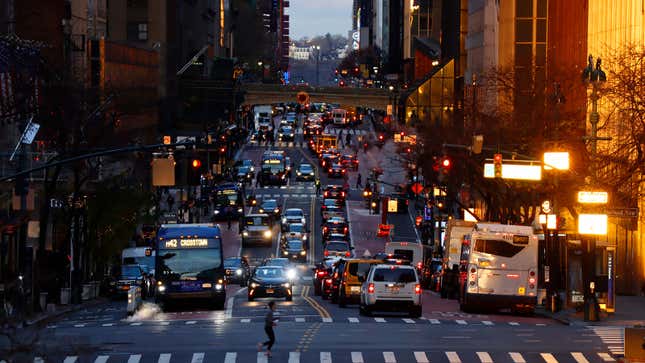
(311, 329)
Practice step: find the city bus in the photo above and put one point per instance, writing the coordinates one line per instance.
(190, 265)
(498, 268)
(228, 201)
(325, 142)
(274, 168)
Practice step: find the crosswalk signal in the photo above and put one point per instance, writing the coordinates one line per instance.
(196, 164)
(497, 162)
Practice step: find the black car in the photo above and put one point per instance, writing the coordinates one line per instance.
(131, 276)
(270, 281)
(305, 172)
(245, 174)
(294, 249)
(270, 207)
(286, 133)
(336, 170)
(335, 225)
(334, 192)
(321, 271)
(237, 270)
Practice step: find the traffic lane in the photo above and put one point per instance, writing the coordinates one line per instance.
(231, 240)
(299, 309)
(362, 229)
(307, 205)
(404, 229)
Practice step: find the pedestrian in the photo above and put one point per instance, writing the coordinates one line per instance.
(359, 181)
(317, 186)
(170, 200)
(269, 322)
(229, 216)
(348, 139)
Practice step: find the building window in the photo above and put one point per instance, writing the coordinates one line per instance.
(138, 31)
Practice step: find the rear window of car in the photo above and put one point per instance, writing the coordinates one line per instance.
(400, 275)
(337, 246)
(407, 254)
(359, 268)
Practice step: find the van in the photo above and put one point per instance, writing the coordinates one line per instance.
(391, 288)
(339, 117)
(349, 285)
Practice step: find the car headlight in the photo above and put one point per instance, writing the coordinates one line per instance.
(286, 253)
(252, 169)
(299, 173)
(291, 274)
(312, 173)
(303, 252)
(304, 237)
(245, 234)
(267, 233)
(261, 210)
(218, 286)
(284, 220)
(303, 220)
(216, 211)
(240, 210)
(254, 285)
(161, 288)
(238, 272)
(286, 284)
(277, 210)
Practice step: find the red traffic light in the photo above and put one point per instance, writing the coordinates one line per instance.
(445, 163)
(197, 163)
(418, 220)
(402, 133)
(497, 158)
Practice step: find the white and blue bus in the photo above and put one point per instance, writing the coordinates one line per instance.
(190, 265)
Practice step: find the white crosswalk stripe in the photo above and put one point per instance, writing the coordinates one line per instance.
(548, 358)
(409, 321)
(136, 323)
(262, 358)
(380, 320)
(191, 322)
(134, 358)
(613, 337)
(606, 357)
(99, 359)
(453, 357)
(514, 323)
(325, 357)
(389, 357)
(197, 358)
(487, 322)
(461, 322)
(230, 357)
(353, 320)
(434, 321)
(164, 358)
(517, 357)
(36, 360)
(300, 320)
(579, 357)
(245, 321)
(484, 357)
(357, 357)
(294, 357)
(71, 359)
(421, 357)
(328, 320)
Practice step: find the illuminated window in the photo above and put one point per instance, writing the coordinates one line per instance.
(221, 23)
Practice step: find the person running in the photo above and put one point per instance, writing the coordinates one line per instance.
(269, 323)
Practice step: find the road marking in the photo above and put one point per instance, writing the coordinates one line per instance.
(108, 324)
(540, 324)
(230, 357)
(380, 320)
(606, 357)
(136, 324)
(484, 357)
(245, 321)
(262, 358)
(325, 357)
(197, 358)
(513, 323)
(453, 357)
(409, 321)
(421, 357)
(99, 359)
(300, 320)
(164, 323)
(434, 321)
(548, 358)
(328, 320)
(389, 357)
(517, 357)
(79, 325)
(294, 357)
(487, 322)
(461, 322)
(191, 322)
(36, 360)
(579, 357)
(229, 308)
(164, 358)
(353, 320)
(70, 359)
(134, 358)
(357, 357)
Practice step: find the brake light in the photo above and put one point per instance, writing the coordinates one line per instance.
(326, 194)
(325, 229)
(345, 229)
(322, 273)
(326, 253)
(329, 170)
(342, 170)
(342, 194)
(513, 276)
(370, 288)
(417, 289)
(347, 254)
(419, 265)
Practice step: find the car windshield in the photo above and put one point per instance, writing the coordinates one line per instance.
(277, 262)
(293, 213)
(287, 130)
(232, 262)
(271, 272)
(244, 169)
(294, 244)
(269, 204)
(130, 272)
(296, 227)
(198, 264)
(330, 202)
(400, 275)
(337, 246)
(257, 221)
(305, 168)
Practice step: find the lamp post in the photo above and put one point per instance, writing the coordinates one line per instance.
(317, 48)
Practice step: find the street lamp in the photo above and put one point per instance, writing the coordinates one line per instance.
(317, 48)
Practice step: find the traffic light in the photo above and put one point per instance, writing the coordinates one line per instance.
(194, 172)
(402, 134)
(497, 162)
(445, 165)
(196, 164)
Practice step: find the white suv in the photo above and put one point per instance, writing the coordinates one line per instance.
(393, 288)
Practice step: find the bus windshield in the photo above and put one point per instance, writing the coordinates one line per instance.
(190, 264)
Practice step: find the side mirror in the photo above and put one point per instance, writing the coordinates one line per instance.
(352, 247)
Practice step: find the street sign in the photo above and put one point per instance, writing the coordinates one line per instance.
(30, 133)
(623, 212)
(417, 188)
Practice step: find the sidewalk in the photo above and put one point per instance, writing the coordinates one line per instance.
(630, 311)
(61, 310)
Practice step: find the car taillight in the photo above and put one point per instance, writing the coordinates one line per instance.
(325, 229)
(326, 253)
(342, 170)
(370, 288)
(347, 254)
(326, 194)
(322, 273)
(342, 194)
(417, 289)
(532, 279)
(329, 170)
(345, 229)
(419, 265)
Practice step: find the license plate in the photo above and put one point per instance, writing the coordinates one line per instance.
(269, 291)
(394, 290)
(521, 290)
(355, 288)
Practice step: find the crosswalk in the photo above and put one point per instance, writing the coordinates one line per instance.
(348, 356)
(291, 319)
(612, 336)
(293, 190)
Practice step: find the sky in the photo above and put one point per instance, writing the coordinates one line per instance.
(319, 17)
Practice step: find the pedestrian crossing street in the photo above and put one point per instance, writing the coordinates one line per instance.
(612, 336)
(348, 356)
(218, 320)
(329, 130)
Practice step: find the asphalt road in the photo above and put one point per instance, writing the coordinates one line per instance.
(311, 329)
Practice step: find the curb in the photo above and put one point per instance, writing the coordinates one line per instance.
(46, 318)
(544, 314)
